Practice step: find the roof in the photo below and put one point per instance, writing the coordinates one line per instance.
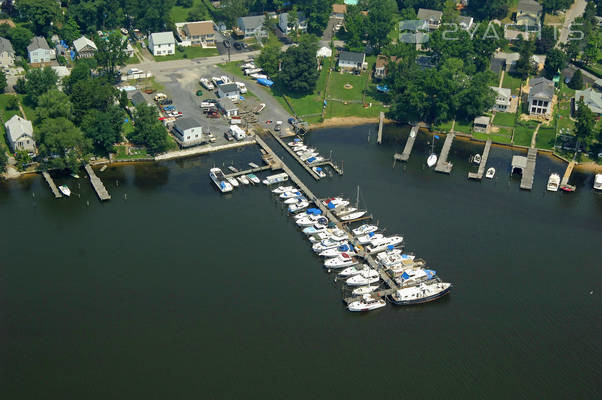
(82, 42)
(200, 28)
(382, 61)
(5, 45)
(482, 120)
(413, 25)
(226, 104)
(324, 52)
(501, 91)
(17, 127)
(541, 88)
(352, 57)
(283, 18)
(519, 162)
(598, 82)
(138, 98)
(529, 6)
(592, 98)
(339, 8)
(162, 38)
(186, 123)
(251, 22)
(228, 87)
(429, 15)
(509, 57)
(38, 42)
(61, 70)
(465, 21)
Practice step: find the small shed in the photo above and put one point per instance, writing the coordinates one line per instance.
(228, 108)
(138, 98)
(481, 124)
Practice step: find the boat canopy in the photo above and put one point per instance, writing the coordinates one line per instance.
(311, 159)
(371, 234)
(344, 247)
(318, 169)
(331, 206)
(296, 140)
(430, 273)
(405, 276)
(390, 247)
(265, 82)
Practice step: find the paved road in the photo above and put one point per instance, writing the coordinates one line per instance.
(574, 12)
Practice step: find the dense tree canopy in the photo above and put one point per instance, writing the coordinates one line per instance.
(61, 143)
(104, 128)
(91, 93)
(37, 82)
(269, 59)
(53, 104)
(299, 68)
(555, 61)
(111, 52)
(148, 130)
(42, 14)
(488, 9)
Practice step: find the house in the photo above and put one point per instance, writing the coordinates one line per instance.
(228, 108)
(465, 22)
(506, 60)
(339, 11)
(598, 83)
(502, 99)
(138, 98)
(591, 98)
(432, 17)
(162, 43)
(351, 61)
(39, 52)
(424, 61)
(199, 33)
(228, 90)
(300, 25)
(61, 71)
(481, 124)
(7, 53)
(540, 96)
(252, 26)
(413, 31)
(19, 133)
(188, 131)
(380, 67)
(528, 12)
(84, 47)
(324, 52)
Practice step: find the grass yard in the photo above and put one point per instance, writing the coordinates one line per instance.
(179, 14)
(504, 119)
(122, 154)
(463, 126)
(444, 127)
(132, 60)
(546, 138)
(523, 133)
(337, 89)
(188, 52)
(232, 68)
(338, 109)
(500, 137)
(512, 83)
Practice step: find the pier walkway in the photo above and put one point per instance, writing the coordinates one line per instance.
(526, 181)
(251, 171)
(294, 155)
(57, 194)
(381, 119)
(407, 150)
(442, 164)
(567, 175)
(97, 184)
(483, 164)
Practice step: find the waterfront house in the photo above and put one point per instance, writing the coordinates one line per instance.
(227, 107)
(252, 26)
(481, 124)
(541, 95)
(39, 52)
(19, 133)
(198, 33)
(502, 99)
(7, 53)
(351, 62)
(591, 98)
(84, 47)
(188, 131)
(162, 43)
(339, 11)
(380, 67)
(528, 12)
(300, 25)
(228, 90)
(432, 17)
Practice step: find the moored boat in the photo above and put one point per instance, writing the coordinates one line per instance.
(431, 160)
(281, 177)
(598, 182)
(422, 293)
(364, 278)
(415, 275)
(384, 244)
(218, 178)
(351, 271)
(365, 239)
(364, 229)
(353, 215)
(232, 181)
(490, 173)
(358, 291)
(319, 171)
(336, 251)
(293, 208)
(366, 303)
(476, 159)
(65, 190)
(244, 180)
(294, 200)
(342, 261)
(553, 183)
(283, 189)
(253, 178)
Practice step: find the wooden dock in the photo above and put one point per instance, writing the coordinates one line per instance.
(479, 174)
(55, 191)
(567, 175)
(526, 181)
(97, 184)
(251, 171)
(331, 164)
(407, 150)
(442, 164)
(294, 155)
(381, 120)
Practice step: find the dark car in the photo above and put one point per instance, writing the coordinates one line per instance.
(238, 45)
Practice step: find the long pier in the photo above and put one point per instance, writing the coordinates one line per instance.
(479, 174)
(250, 171)
(567, 175)
(331, 164)
(295, 156)
(407, 150)
(526, 181)
(381, 120)
(442, 164)
(57, 194)
(97, 184)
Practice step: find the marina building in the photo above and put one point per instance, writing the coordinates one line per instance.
(188, 131)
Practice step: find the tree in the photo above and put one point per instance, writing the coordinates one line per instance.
(3, 160)
(37, 82)
(41, 13)
(91, 93)
(317, 13)
(232, 9)
(148, 130)
(450, 13)
(488, 9)
(104, 128)
(123, 99)
(592, 48)
(3, 82)
(554, 5)
(184, 3)
(571, 49)
(355, 27)
(576, 81)
(12, 103)
(524, 66)
(555, 61)
(299, 68)
(584, 126)
(476, 97)
(53, 104)
(546, 41)
(70, 30)
(111, 52)
(80, 72)
(61, 143)
(269, 59)
(379, 22)
(20, 37)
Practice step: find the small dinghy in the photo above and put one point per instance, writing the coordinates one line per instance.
(65, 190)
(243, 179)
(476, 159)
(490, 173)
(432, 160)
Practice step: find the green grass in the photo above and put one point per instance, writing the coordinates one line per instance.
(127, 128)
(511, 82)
(232, 68)
(121, 153)
(463, 126)
(504, 119)
(338, 109)
(545, 138)
(188, 52)
(502, 137)
(132, 60)
(179, 14)
(524, 132)
(337, 90)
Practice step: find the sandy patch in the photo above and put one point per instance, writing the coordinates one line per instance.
(347, 121)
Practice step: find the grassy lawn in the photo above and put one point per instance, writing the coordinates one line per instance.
(188, 52)
(523, 133)
(337, 89)
(132, 60)
(563, 109)
(127, 128)
(463, 126)
(121, 153)
(502, 136)
(338, 109)
(179, 14)
(545, 138)
(232, 68)
(511, 82)
(444, 126)
(504, 119)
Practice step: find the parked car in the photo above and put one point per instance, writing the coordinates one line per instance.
(206, 104)
(228, 136)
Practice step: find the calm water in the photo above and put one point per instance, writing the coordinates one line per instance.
(171, 290)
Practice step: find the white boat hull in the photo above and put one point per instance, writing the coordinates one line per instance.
(431, 160)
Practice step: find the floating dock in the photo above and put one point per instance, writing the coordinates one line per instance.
(97, 184)
(251, 171)
(479, 174)
(407, 150)
(57, 194)
(442, 164)
(567, 175)
(381, 120)
(526, 181)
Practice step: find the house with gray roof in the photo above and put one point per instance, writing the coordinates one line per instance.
(541, 95)
(252, 26)
(465, 22)
(188, 131)
(84, 47)
(300, 25)
(228, 90)
(19, 133)
(481, 124)
(591, 98)
(432, 17)
(228, 108)
(351, 61)
(7, 53)
(162, 43)
(138, 98)
(503, 98)
(39, 52)
(528, 12)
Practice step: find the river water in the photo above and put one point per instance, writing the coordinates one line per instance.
(171, 290)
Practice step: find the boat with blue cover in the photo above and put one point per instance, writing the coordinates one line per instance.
(218, 178)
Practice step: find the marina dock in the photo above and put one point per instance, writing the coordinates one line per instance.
(97, 184)
(407, 150)
(442, 164)
(57, 194)
(526, 181)
(251, 171)
(381, 119)
(567, 175)
(479, 174)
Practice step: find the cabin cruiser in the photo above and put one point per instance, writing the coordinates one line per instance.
(325, 244)
(312, 230)
(294, 200)
(335, 234)
(217, 176)
(65, 190)
(553, 183)
(293, 208)
(393, 257)
(340, 261)
(253, 178)
(384, 244)
(336, 203)
(476, 159)
(358, 291)
(299, 149)
(364, 229)
(490, 173)
(366, 303)
(365, 239)
(233, 182)
(244, 180)
(353, 215)
(351, 271)
(422, 293)
(319, 171)
(415, 275)
(288, 195)
(309, 220)
(364, 278)
(336, 251)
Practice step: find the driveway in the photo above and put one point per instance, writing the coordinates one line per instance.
(574, 12)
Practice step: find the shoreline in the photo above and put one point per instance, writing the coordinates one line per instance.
(348, 121)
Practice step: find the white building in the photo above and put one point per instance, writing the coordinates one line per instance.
(502, 99)
(227, 107)
(252, 26)
(162, 43)
(228, 90)
(350, 61)
(84, 47)
(237, 132)
(19, 133)
(324, 52)
(188, 131)
(541, 96)
(39, 52)
(7, 53)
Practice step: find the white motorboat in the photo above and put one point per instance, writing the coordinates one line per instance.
(339, 234)
(598, 182)
(312, 230)
(553, 183)
(364, 278)
(366, 303)
(317, 237)
(288, 195)
(218, 178)
(334, 234)
(358, 291)
(383, 244)
(422, 293)
(351, 271)
(74, 175)
(296, 142)
(308, 212)
(244, 180)
(319, 171)
(313, 160)
(336, 203)
(476, 159)
(341, 261)
(308, 220)
(305, 156)
(431, 160)
(299, 149)
(353, 215)
(490, 173)
(325, 244)
(365, 239)
(294, 200)
(415, 275)
(232, 181)
(283, 189)
(253, 178)
(345, 211)
(65, 190)
(336, 251)
(270, 180)
(364, 229)
(293, 208)
(393, 257)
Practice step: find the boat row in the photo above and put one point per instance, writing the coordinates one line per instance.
(308, 155)
(226, 184)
